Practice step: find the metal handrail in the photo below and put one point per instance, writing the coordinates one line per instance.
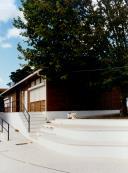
(4, 128)
(28, 118)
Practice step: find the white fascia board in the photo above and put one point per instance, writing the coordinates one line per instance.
(23, 80)
(37, 86)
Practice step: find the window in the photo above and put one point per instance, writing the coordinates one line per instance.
(37, 81)
(32, 83)
(6, 102)
(38, 94)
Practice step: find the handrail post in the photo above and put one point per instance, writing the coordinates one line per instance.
(29, 124)
(2, 126)
(8, 132)
(27, 117)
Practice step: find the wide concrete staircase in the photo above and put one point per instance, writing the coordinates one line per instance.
(85, 138)
(37, 119)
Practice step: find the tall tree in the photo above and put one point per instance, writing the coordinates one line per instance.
(115, 14)
(54, 29)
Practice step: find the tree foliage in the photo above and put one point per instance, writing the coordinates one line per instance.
(20, 74)
(55, 35)
(115, 14)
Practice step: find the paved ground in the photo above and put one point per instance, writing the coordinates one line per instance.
(33, 158)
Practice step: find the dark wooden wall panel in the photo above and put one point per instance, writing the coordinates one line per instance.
(73, 96)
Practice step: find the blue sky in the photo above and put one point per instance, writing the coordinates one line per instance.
(9, 38)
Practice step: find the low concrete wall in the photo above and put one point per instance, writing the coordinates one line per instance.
(15, 120)
(63, 114)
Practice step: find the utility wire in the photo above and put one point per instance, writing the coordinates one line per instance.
(100, 69)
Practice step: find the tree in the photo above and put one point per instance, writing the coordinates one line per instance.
(115, 14)
(54, 30)
(20, 74)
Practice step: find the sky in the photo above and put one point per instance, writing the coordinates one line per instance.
(9, 38)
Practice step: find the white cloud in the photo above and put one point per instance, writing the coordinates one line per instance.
(8, 10)
(21, 15)
(13, 33)
(5, 45)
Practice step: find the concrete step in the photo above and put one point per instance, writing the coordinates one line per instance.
(39, 116)
(91, 123)
(87, 127)
(34, 131)
(37, 120)
(98, 136)
(88, 138)
(36, 114)
(35, 123)
(86, 148)
(33, 115)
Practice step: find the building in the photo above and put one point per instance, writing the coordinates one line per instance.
(2, 90)
(29, 93)
(1, 100)
(35, 94)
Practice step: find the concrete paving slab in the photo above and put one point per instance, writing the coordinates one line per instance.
(33, 158)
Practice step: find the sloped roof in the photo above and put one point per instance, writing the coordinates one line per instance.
(22, 81)
(2, 90)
